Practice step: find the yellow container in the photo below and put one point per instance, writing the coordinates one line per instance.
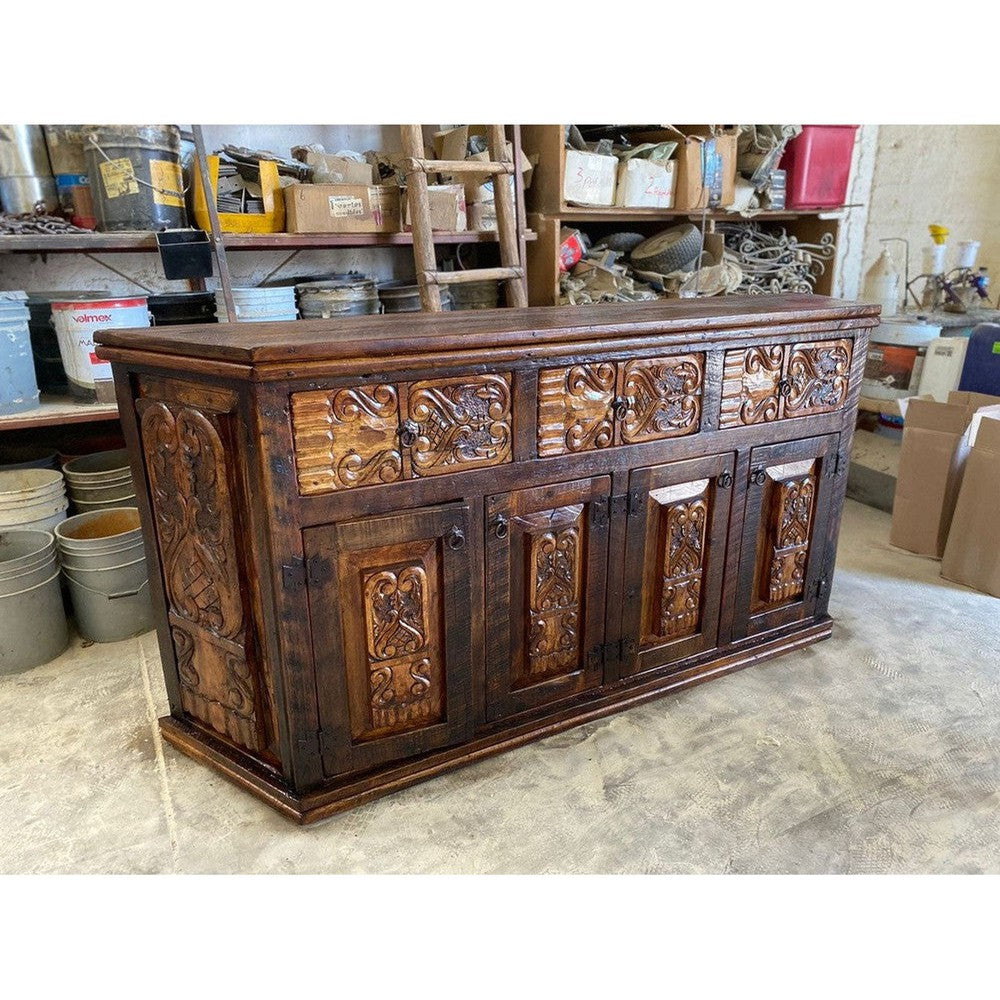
(271, 221)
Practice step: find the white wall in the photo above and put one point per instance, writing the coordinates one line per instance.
(944, 174)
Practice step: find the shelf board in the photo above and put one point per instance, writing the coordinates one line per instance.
(572, 212)
(144, 242)
(56, 410)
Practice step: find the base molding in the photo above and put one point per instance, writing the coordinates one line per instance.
(340, 794)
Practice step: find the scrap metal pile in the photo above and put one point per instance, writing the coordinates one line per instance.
(771, 261)
(31, 223)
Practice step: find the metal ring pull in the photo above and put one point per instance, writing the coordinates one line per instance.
(758, 477)
(784, 387)
(619, 407)
(455, 538)
(408, 433)
(500, 526)
(725, 481)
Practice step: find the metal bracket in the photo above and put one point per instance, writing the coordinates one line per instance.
(293, 574)
(599, 512)
(636, 502)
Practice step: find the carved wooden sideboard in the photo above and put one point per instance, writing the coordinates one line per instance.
(384, 547)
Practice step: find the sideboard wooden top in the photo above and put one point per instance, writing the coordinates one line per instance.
(357, 337)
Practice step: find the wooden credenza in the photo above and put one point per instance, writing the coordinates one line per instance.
(384, 547)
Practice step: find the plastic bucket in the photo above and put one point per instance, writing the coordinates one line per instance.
(15, 457)
(84, 506)
(104, 563)
(18, 384)
(178, 308)
(32, 620)
(137, 182)
(76, 322)
(259, 305)
(818, 164)
(113, 491)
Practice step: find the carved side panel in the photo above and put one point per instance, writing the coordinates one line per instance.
(555, 557)
(462, 423)
(750, 380)
(663, 397)
(787, 551)
(405, 682)
(346, 438)
(193, 511)
(575, 408)
(819, 374)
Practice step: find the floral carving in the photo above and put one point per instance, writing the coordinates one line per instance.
(793, 524)
(750, 385)
(462, 423)
(684, 526)
(663, 397)
(819, 375)
(575, 408)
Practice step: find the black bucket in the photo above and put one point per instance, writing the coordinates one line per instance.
(136, 177)
(178, 308)
(49, 370)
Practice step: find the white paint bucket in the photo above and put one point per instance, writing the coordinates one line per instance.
(76, 322)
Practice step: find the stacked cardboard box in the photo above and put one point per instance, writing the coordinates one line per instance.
(949, 484)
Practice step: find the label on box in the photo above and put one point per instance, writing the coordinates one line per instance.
(343, 206)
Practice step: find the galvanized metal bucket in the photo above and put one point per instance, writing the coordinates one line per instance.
(32, 620)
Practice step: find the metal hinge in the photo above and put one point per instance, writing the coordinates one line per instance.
(293, 574)
(611, 652)
(599, 512)
(636, 500)
(823, 583)
(838, 459)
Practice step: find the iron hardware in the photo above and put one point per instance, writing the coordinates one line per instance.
(758, 477)
(293, 574)
(408, 433)
(725, 481)
(784, 387)
(501, 527)
(455, 538)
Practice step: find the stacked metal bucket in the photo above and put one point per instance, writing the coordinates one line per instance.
(99, 551)
(100, 481)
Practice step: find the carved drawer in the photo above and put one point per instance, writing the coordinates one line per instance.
(366, 435)
(600, 404)
(760, 384)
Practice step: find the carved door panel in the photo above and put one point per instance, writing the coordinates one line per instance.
(390, 605)
(458, 423)
(752, 385)
(346, 437)
(546, 572)
(675, 560)
(599, 404)
(782, 558)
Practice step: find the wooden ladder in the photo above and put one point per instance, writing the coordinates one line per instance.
(430, 279)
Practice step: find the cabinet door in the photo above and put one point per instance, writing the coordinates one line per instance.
(389, 603)
(789, 492)
(546, 571)
(675, 557)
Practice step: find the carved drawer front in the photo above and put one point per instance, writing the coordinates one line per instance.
(458, 423)
(819, 376)
(760, 384)
(599, 404)
(546, 565)
(220, 677)
(675, 553)
(346, 437)
(662, 397)
(389, 601)
(784, 541)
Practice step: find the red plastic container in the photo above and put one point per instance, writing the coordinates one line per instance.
(819, 164)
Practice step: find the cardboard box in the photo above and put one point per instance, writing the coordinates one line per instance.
(331, 169)
(342, 208)
(645, 183)
(972, 555)
(482, 216)
(590, 179)
(706, 164)
(936, 442)
(448, 208)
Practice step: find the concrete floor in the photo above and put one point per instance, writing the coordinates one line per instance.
(876, 751)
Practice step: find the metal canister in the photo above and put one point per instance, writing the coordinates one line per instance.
(404, 296)
(349, 294)
(25, 172)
